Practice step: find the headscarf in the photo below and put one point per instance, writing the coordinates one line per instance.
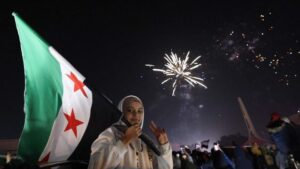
(137, 143)
(120, 107)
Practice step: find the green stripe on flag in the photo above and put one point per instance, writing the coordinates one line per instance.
(43, 92)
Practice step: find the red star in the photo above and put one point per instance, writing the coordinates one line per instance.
(45, 159)
(72, 122)
(78, 85)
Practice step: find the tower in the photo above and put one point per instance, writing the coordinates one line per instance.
(253, 137)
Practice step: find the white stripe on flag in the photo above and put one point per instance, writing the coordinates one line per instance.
(61, 143)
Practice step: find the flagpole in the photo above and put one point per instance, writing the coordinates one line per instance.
(143, 136)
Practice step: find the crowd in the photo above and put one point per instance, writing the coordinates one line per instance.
(233, 157)
(282, 153)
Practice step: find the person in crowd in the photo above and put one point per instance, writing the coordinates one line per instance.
(258, 158)
(284, 136)
(269, 156)
(242, 160)
(220, 160)
(207, 161)
(186, 162)
(197, 156)
(176, 160)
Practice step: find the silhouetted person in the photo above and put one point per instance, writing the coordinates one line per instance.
(197, 157)
(219, 159)
(284, 136)
(176, 160)
(186, 162)
(242, 160)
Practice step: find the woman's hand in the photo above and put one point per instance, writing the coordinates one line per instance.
(159, 133)
(131, 133)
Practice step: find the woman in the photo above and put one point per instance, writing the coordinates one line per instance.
(119, 146)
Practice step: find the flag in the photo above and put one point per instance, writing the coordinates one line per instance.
(204, 144)
(62, 114)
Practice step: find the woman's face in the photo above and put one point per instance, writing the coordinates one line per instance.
(133, 112)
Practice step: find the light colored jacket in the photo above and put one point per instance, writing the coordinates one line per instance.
(109, 152)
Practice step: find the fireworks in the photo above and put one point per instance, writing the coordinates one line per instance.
(261, 46)
(179, 71)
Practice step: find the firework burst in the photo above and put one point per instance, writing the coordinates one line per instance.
(178, 71)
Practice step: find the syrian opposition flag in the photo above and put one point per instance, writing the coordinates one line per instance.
(62, 115)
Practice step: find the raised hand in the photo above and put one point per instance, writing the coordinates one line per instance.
(131, 133)
(159, 133)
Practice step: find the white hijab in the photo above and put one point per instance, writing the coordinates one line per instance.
(120, 107)
(137, 144)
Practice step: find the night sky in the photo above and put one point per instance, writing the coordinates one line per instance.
(249, 49)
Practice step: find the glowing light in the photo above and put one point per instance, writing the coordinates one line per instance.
(178, 71)
(149, 65)
(262, 17)
(244, 36)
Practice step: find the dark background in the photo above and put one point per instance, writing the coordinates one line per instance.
(249, 49)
